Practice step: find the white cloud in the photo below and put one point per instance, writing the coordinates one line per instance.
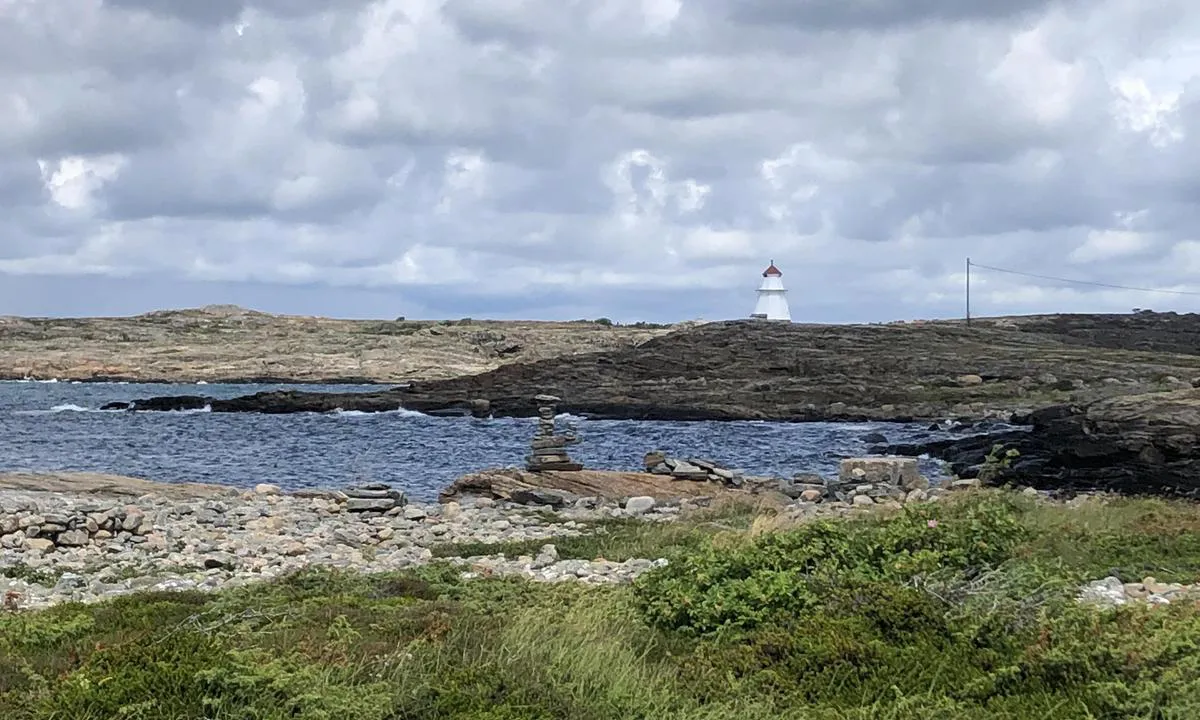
(73, 180)
(1109, 245)
(529, 156)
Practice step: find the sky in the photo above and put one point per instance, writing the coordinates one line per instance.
(630, 159)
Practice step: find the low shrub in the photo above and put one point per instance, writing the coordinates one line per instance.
(781, 574)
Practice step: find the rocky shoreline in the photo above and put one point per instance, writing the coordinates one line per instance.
(105, 539)
(1134, 444)
(57, 547)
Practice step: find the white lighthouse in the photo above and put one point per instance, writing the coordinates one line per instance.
(772, 298)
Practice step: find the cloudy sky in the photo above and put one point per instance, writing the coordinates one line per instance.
(636, 159)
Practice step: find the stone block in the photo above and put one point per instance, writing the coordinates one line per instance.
(687, 471)
(899, 471)
(811, 495)
(74, 538)
(370, 504)
(640, 505)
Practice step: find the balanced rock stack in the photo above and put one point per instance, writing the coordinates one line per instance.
(548, 449)
(694, 469)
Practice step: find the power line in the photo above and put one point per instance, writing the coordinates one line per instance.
(1079, 282)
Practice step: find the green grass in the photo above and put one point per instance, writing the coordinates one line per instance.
(38, 576)
(620, 539)
(958, 610)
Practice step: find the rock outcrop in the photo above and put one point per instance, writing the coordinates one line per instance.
(746, 370)
(231, 344)
(558, 488)
(1148, 443)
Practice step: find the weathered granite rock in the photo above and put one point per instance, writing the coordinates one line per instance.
(507, 483)
(900, 471)
(230, 344)
(640, 505)
(373, 497)
(693, 469)
(1145, 444)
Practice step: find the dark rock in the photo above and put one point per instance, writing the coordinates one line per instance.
(874, 438)
(1136, 444)
(559, 466)
(220, 560)
(538, 497)
(172, 402)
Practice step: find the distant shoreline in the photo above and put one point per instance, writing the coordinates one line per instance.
(126, 380)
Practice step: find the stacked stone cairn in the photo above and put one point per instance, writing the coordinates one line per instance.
(42, 532)
(548, 449)
(868, 481)
(694, 469)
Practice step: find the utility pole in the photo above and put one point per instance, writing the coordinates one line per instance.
(968, 292)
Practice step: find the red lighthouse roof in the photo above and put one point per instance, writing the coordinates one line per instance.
(772, 271)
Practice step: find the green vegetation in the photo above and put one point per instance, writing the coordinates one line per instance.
(963, 609)
(621, 539)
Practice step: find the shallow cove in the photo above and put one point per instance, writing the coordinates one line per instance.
(58, 427)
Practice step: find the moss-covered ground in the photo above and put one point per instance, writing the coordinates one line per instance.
(960, 609)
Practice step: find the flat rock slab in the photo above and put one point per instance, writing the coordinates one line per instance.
(605, 484)
(84, 483)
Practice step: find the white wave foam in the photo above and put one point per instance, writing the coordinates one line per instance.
(568, 417)
(68, 407)
(350, 413)
(401, 412)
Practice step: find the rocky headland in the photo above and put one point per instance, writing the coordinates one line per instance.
(794, 372)
(1144, 443)
(232, 344)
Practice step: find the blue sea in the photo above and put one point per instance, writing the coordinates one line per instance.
(49, 426)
